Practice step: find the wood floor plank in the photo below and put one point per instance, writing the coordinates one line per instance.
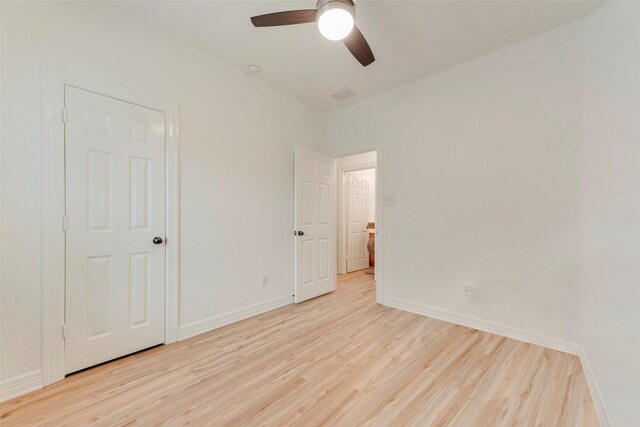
(339, 360)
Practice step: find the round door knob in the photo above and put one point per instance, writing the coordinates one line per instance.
(157, 240)
(300, 233)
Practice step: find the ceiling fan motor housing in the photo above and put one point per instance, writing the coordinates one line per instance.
(324, 5)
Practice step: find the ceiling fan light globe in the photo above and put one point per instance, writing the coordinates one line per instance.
(335, 20)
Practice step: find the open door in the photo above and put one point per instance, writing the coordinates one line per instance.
(315, 224)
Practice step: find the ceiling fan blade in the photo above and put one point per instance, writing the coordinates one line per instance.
(289, 17)
(358, 46)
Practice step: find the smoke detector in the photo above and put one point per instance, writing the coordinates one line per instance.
(252, 70)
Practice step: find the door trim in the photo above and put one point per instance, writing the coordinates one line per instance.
(52, 83)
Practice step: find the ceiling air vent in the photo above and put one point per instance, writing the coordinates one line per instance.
(343, 94)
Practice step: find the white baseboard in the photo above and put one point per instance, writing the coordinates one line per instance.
(595, 391)
(23, 384)
(206, 325)
(483, 325)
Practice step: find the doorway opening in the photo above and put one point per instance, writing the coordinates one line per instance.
(357, 195)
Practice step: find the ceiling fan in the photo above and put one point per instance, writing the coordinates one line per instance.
(336, 21)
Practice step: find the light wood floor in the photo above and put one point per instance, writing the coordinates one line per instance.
(337, 360)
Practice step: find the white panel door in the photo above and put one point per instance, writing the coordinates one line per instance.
(357, 221)
(115, 205)
(315, 225)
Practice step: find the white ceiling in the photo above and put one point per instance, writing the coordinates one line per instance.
(410, 39)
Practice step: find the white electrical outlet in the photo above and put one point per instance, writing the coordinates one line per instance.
(390, 200)
(265, 281)
(467, 290)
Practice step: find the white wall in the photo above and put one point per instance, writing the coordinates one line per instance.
(236, 134)
(484, 161)
(610, 310)
(518, 173)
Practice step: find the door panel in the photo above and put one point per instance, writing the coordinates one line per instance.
(115, 205)
(358, 220)
(315, 217)
(100, 288)
(99, 192)
(139, 193)
(138, 289)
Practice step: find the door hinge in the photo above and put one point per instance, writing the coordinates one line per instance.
(65, 223)
(65, 330)
(65, 115)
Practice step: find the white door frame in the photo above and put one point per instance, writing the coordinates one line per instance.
(53, 81)
(343, 206)
(379, 192)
